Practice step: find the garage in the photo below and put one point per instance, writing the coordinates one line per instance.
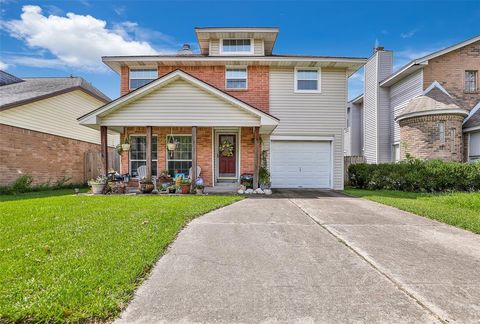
(301, 164)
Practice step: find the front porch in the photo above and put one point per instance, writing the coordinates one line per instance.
(197, 148)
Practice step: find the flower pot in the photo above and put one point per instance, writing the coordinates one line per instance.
(146, 187)
(98, 188)
(185, 188)
(172, 190)
(199, 191)
(125, 147)
(171, 146)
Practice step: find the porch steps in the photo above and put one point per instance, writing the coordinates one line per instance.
(222, 188)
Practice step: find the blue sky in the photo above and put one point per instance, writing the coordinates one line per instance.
(59, 38)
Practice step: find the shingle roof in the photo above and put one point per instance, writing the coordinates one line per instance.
(432, 102)
(32, 89)
(474, 119)
(7, 78)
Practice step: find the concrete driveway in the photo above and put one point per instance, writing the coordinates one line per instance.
(313, 256)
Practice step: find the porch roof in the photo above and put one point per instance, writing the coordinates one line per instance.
(178, 99)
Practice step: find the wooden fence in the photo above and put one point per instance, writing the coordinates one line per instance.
(94, 167)
(348, 160)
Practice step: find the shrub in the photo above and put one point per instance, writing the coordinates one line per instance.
(416, 175)
(24, 184)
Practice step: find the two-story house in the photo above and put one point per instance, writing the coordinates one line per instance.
(230, 108)
(429, 108)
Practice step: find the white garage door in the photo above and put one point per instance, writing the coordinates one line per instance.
(300, 164)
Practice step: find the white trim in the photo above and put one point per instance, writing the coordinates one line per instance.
(437, 85)
(433, 112)
(251, 52)
(472, 112)
(227, 131)
(91, 118)
(237, 67)
(300, 138)
(471, 129)
(130, 151)
(319, 80)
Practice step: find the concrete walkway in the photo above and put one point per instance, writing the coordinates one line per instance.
(313, 256)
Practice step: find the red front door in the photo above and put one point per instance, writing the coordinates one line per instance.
(227, 155)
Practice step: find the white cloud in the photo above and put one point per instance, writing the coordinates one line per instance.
(119, 10)
(77, 40)
(409, 34)
(3, 66)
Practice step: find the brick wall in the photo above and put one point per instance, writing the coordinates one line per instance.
(449, 71)
(204, 149)
(43, 156)
(419, 137)
(256, 95)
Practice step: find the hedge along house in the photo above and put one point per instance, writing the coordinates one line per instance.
(227, 105)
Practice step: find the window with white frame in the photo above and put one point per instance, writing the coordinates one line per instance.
(236, 78)
(471, 78)
(237, 46)
(307, 80)
(441, 132)
(180, 160)
(138, 154)
(140, 77)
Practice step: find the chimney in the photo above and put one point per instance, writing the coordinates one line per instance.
(378, 48)
(185, 50)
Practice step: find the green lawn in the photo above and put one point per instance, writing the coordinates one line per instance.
(457, 209)
(67, 258)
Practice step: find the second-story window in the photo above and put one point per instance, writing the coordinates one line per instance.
(140, 77)
(236, 78)
(237, 46)
(471, 78)
(307, 80)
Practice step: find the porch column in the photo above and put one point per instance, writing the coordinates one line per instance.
(104, 148)
(256, 164)
(194, 155)
(149, 151)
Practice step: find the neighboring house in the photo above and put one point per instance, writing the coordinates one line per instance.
(427, 109)
(40, 134)
(231, 106)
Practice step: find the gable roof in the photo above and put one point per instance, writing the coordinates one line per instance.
(33, 89)
(472, 122)
(417, 64)
(91, 117)
(7, 78)
(435, 100)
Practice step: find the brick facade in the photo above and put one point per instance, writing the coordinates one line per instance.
(44, 156)
(204, 149)
(256, 95)
(449, 70)
(419, 137)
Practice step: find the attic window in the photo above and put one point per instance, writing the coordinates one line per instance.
(141, 77)
(237, 46)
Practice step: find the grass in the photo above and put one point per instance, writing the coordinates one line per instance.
(67, 258)
(457, 209)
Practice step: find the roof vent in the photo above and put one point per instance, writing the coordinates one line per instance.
(185, 50)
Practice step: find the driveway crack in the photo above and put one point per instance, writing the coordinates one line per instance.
(396, 283)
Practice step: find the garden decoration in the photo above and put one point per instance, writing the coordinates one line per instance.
(226, 148)
(171, 144)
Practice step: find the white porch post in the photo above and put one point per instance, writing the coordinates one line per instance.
(256, 163)
(149, 152)
(194, 155)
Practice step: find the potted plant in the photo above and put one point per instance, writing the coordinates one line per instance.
(185, 186)
(98, 184)
(172, 189)
(199, 188)
(264, 178)
(119, 149)
(146, 185)
(126, 145)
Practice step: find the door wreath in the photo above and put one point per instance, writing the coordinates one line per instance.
(226, 148)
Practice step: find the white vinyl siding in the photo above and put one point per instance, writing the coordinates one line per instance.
(312, 114)
(370, 111)
(400, 94)
(258, 47)
(214, 47)
(385, 68)
(180, 104)
(474, 146)
(58, 116)
(355, 131)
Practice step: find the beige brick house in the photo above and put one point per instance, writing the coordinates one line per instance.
(288, 110)
(40, 135)
(428, 109)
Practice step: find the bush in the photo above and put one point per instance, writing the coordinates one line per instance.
(24, 184)
(416, 175)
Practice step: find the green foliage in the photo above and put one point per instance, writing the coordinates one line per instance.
(78, 259)
(416, 176)
(24, 184)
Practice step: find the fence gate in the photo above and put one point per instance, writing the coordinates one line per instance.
(347, 161)
(93, 164)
